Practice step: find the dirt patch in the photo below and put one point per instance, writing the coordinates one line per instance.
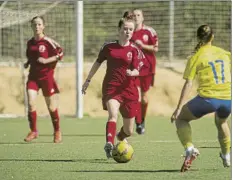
(163, 97)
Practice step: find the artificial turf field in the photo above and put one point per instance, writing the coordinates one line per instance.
(81, 156)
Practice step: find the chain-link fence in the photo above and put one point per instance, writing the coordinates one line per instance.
(100, 25)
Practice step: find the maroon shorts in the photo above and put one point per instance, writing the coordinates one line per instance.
(145, 82)
(48, 86)
(128, 108)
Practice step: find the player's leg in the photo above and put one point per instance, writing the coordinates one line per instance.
(128, 111)
(50, 92)
(138, 118)
(194, 109)
(126, 130)
(113, 108)
(224, 132)
(32, 91)
(146, 82)
(144, 105)
(52, 105)
(184, 133)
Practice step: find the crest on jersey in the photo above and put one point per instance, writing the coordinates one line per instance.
(145, 37)
(42, 48)
(129, 56)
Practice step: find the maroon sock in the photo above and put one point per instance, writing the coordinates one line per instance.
(138, 118)
(110, 131)
(122, 135)
(32, 116)
(55, 120)
(144, 110)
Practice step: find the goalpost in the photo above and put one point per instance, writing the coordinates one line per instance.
(79, 59)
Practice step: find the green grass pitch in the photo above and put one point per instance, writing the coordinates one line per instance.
(81, 156)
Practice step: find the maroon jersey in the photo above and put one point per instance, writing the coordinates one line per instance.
(119, 59)
(45, 47)
(149, 37)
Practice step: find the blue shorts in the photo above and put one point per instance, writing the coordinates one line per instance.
(200, 106)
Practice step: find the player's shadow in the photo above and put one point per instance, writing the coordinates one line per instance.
(129, 171)
(208, 147)
(73, 135)
(99, 161)
(24, 143)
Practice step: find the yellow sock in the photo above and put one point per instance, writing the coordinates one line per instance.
(185, 136)
(225, 144)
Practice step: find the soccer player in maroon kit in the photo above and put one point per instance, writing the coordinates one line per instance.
(42, 53)
(119, 91)
(146, 38)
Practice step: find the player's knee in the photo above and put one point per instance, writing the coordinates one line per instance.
(144, 99)
(51, 108)
(112, 118)
(128, 131)
(31, 106)
(223, 113)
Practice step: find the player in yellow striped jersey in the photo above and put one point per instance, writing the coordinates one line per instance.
(211, 66)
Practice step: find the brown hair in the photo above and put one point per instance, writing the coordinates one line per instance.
(40, 17)
(204, 35)
(126, 19)
(128, 14)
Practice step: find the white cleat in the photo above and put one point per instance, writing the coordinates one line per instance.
(108, 149)
(190, 156)
(226, 160)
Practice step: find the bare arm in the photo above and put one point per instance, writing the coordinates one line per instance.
(184, 94)
(151, 48)
(48, 60)
(92, 72)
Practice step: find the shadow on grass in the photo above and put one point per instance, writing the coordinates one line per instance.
(128, 171)
(24, 143)
(208, 147)
(99, 161)
(79, 135)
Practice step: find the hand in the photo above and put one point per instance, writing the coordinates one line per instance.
(85, 86)
(25, 65)
(139, 43)
(175, 115)
(41, 60)
(128, 72)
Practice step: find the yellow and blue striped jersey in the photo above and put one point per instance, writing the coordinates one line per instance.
(212, 67)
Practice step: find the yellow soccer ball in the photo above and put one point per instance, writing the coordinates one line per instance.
(122, 152)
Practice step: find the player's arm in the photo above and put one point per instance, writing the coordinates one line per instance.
(184, 93)
(153, 42)
(91, 73)
(137, 62)
(151, 48)
(27, 63)
(183, 96)
(55, 50)
(94, 69)
(189, 75)
(48, 60)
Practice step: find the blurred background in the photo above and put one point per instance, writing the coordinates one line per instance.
(174, 21)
